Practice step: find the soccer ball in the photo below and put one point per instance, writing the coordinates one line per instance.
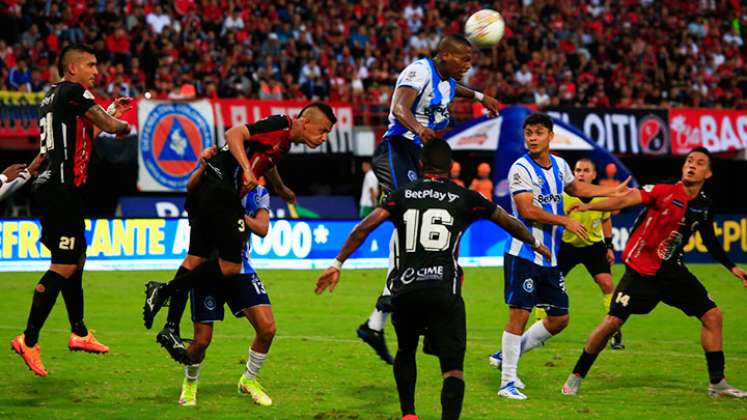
(484, 28)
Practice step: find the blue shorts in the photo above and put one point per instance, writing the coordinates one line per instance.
(239, 292)
(528, 285)
(395, 163)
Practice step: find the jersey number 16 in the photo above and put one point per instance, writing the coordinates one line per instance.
(431, 229)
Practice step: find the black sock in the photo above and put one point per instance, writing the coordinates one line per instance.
(584, 363)
(72, 294)
(715, 361)
(42, 304)
(452, 395)
(178, 303)
(405, 374)
(204, 272)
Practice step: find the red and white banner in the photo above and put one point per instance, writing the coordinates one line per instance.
(230, 112)
(718, 130)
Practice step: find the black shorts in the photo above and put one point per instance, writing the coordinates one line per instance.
(60, 210)
(639, 294)
(395, 163)
(239, 292)
(216, 220)
(593, 257)
(436, 314)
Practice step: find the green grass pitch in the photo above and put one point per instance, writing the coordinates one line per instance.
(318, 369)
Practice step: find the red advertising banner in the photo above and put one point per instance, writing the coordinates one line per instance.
(718, 130)
(230, 112)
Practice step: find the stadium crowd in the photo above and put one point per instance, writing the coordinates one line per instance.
(601, 53)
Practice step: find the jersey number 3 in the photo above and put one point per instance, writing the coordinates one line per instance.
(431, 229)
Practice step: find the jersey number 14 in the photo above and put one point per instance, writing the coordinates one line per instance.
(431, 229)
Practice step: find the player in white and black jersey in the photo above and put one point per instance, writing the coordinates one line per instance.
(430, 216)
(419, 108)
(70, 120)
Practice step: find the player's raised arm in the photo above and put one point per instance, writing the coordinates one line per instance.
(515, 228)
(588, 190)
(488, 101)
(105, 122)
(235, 138)
(632, 198)
(194, 179)
(402, 102)
(360, 232)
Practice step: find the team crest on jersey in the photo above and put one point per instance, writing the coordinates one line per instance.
(528, 285)
(171, 140)
(412, 175)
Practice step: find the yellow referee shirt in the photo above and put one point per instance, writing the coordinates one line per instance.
(592, 221)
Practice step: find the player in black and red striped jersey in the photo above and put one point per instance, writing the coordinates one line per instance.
(216, 215)
(654, 271)
(70, 120)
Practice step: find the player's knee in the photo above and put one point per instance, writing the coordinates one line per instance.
(454, 373)
(557, 324)
(613, 323)
(40, 288)
(228, 268)
(192, 261)
(713, 318)
(267, 332)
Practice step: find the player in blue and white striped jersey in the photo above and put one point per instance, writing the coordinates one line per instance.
(419, 108)
(536, 182)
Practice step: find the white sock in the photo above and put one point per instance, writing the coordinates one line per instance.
(192, 372)
(254, 363)
(534, 337)
(377, 320)
(511, 350)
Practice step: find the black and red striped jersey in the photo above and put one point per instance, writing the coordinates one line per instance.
(66, 137)
(269, 141)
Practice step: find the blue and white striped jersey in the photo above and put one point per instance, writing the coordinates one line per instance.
(252, 202)
(431, 107)
(547, 185)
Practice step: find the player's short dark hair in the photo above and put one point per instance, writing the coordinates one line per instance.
(585, 159)
(451, 42)
(539, 118)
(70, 49)
(704, 151)
(436, 156)
(324, 108)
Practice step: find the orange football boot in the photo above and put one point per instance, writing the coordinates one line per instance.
(31, 355)
(88, 344)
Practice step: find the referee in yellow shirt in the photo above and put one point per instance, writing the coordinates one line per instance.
(595, 252)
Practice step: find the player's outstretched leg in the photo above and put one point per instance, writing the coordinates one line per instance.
(594, 345)
(711, 338)
(169, 337)
(263, 322)
(193, 357)
(604, 281)
(372, 330)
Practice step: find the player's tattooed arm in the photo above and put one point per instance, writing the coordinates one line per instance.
(330, 277)
(102, 120)
(402, 101)
(515, 228)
